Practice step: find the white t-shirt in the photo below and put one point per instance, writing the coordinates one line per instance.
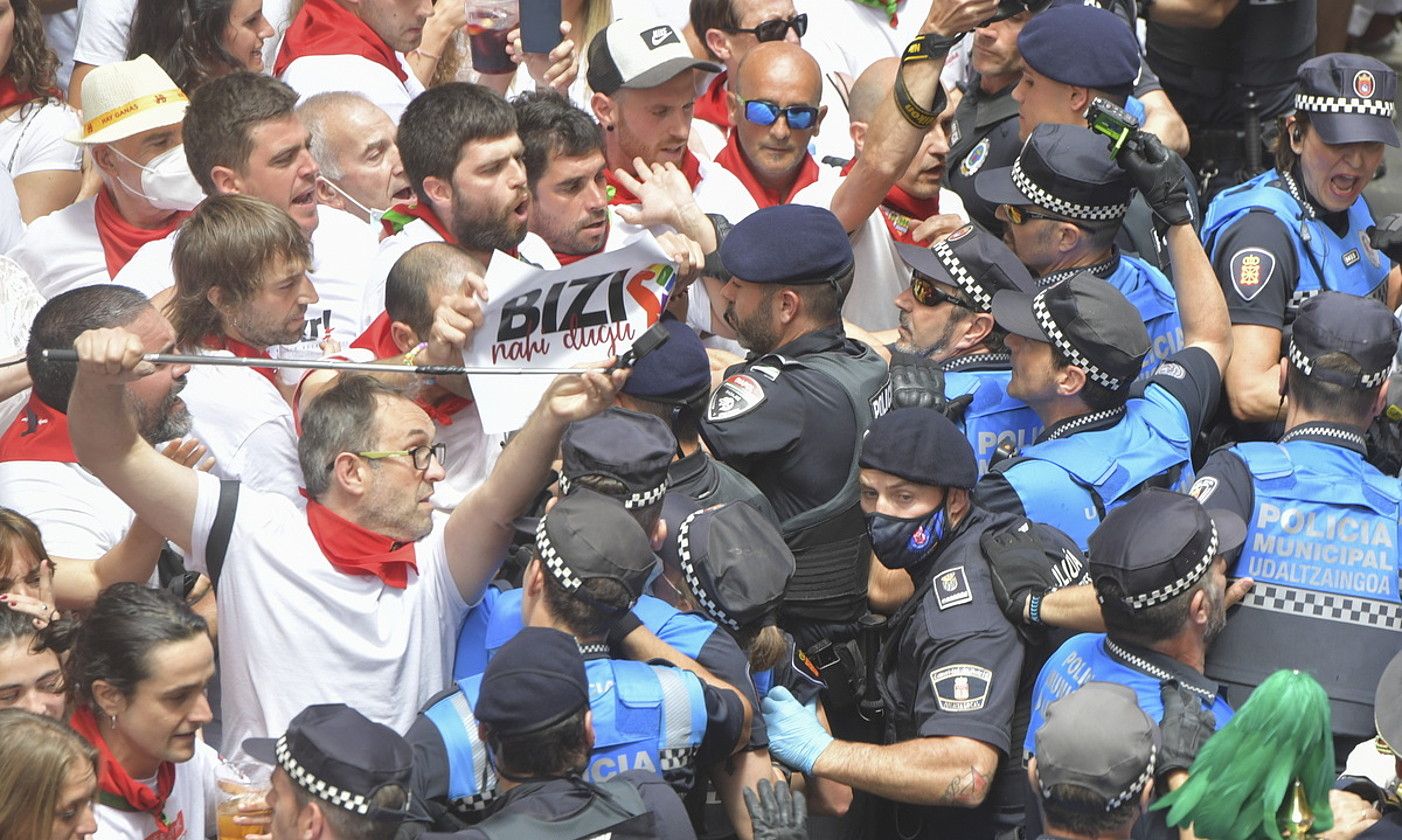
(294, 631)
(247, 425)
(313, 74)
(61, 251)
(191, 804)
(19, 303)
(31, 140)
(78, 516)
(11, 223)
(61, 33)
(104, 27)
(417, 232)
(721, 193)
(832, 140)
(859, 35)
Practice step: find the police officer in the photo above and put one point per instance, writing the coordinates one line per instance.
(672, 383)
(591, 563)
(1303, 226)
(949, 668)
(1159, 571)
(1062, 203)
(535, 718)
(791, 415)
(1325, 524)
(947, 333)
(1373, 768)
(1077, 345)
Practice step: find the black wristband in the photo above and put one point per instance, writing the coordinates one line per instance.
(923, 48)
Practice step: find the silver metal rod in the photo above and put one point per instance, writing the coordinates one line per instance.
(65, 355)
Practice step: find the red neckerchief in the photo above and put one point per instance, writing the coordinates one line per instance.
(243, 351)
(422, 211)
(115, 783)
(120, 239)
(324, 27)
(618, 194)
(571, 259)
(39, 433)
(12, 95)
(733, 159)
(378, 341)
(354, 550)
(901, 211)
(713, 106)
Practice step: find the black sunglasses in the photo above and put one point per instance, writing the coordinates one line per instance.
(923, 290)
(777, 29)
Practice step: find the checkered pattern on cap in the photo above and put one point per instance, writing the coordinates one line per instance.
(1069, 209)
(693, 580)
(961, 275)
(552, 559)
(1305, 365)
(1053, 331)
(354, 802)
(1123, 796)
(1345, 105)
(632, 501)
(1177, 587)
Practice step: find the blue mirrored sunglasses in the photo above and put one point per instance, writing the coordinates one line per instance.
(764, 112)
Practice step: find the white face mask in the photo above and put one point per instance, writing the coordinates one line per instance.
(374, 214)
(166, 180)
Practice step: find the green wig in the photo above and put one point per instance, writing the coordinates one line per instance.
(1245, 774)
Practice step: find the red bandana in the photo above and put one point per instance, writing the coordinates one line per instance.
(618, 194)
(415, 210)
(243, 351)
(733, 159)
(120, 238)
(40, 433)
(354, 550)
(902, 211)
(12, 95)
(378, 341)
(324, 27)
(713, 105)
(117, 787)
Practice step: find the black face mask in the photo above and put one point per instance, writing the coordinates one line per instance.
(902, 543)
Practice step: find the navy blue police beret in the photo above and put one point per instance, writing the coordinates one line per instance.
(793, 244)
(676, 372)
(920, 445)
(1085, 46)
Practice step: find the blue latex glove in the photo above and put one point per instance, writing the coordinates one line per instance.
(795, 736)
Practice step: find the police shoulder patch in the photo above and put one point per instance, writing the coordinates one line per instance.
(1251, 270)
(974, 160)
(961, 688)
(1203, 488)
(1172, 370)
(952, 588)
(737, 396)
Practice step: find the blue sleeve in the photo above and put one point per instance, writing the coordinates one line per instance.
(471, 656)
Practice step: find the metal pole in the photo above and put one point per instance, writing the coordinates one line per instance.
(65, 355)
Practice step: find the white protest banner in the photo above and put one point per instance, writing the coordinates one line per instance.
(537, 317)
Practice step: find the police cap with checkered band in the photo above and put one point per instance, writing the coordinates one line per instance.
(341, 757)
(733, 559)
(534, 681)
(1097, 738)
(1360, 328)
(973, 261)
(587, 535)
(1349, 98)
(1087, 321)
(1065, 170)
(631, 448)
(1157, 545)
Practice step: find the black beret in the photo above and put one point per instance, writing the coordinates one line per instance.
(1079, 45)
(533, 681)
(793, 244)
(920, 445)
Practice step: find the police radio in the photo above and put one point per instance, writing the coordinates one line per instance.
(1107, 118)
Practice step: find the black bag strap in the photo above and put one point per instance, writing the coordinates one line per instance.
(218, 543)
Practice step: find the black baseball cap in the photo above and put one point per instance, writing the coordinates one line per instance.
(1087, 320)
(735, 562)
(1349, 98)
(532, 682)
(1063, 169)
(1335, 322)
(632, 448)
(972, 260)
(1097, 738)
(639, 54)
(920, 445)
(587, 535)
(1158, 544)
(338, 755)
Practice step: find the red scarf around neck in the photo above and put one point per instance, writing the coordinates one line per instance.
(243, 351)
(39, 433)
(11, 95)
(354, 550)
(416, 210)
(324, 27)
(902, 211)
(116, 783)
(121, 239)
(377, 340)
(619, 194)
(713, 106)
(732, 157)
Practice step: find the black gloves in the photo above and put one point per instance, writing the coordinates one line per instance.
(1160, 176)
(917, 382)
(776, 813)
(1186, 726)
(1022, 564)
(1386, 236)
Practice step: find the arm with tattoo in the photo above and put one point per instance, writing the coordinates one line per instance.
(946, 770)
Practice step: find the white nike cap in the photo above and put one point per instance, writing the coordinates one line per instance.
(639, 54)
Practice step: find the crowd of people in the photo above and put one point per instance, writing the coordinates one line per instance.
(1018, 460)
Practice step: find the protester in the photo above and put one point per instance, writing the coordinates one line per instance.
(49, 776)
(202, 40)
(31, 675)
(353, 146)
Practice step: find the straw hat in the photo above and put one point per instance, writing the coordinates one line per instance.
(126, 98)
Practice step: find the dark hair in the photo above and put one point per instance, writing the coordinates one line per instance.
(681, 418)
(712, 14)
(590, 610)
(551, 126)
(348, 825)
(32, 64)
(1285, 157)
(1081, 811)
(340, 419)
(1150, 625)
(1096, 396)
(228, 242)
(823, 301)
(421, 269)
(561, 749)
(114, 640)
(59, 323)
(222, 115)
(1340, 403)
(187, 41)
(438, 123)
(18, 628)
(646, 516)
